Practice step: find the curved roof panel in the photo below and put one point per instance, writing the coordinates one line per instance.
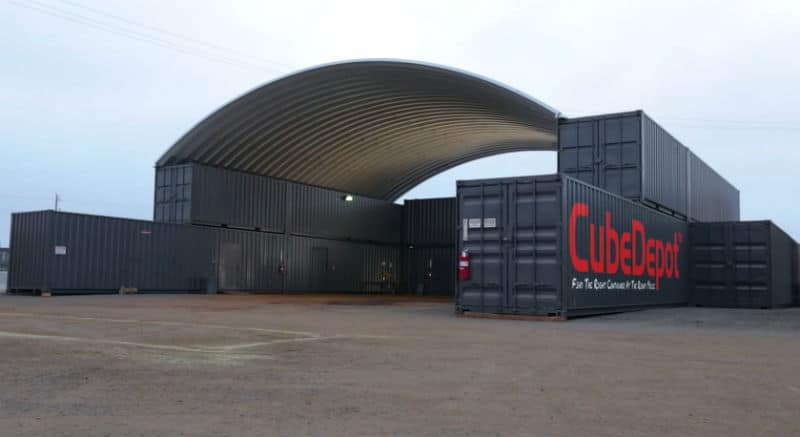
(376, 128)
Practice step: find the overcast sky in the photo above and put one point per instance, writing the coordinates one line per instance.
(91, 93)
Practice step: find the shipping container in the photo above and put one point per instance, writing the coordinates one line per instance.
(741, 265)
(78, 253)
(629, 154)
(5, 256)
(198, 194)
(553, 245)
(319, 212)
(712, 198)
(430, 222)
(430, 271)
(324, 265)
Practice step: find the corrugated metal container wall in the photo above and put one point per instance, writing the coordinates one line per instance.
(31, 250)
(83, 253)
(628, 154)
(319, 212)
(321, 265)
(740, 265)
(665, 178)
(712, 198)
(207, 195)
(251, 261)
(430, 222)
(430, 271)
(221, 196)
(537, 247)
(200, 194)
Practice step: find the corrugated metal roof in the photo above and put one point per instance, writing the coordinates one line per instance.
(376, 128)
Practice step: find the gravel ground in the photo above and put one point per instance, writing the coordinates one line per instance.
(344, 366)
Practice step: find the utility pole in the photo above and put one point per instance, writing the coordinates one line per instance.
(57, 200)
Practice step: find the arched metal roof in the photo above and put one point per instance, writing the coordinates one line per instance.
(376, 128)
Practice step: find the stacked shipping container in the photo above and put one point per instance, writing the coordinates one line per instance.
(429, 239)
(332, 240)
(197, 194)
(632, 156)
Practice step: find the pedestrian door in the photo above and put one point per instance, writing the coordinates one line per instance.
(230, 267)
(319, 269)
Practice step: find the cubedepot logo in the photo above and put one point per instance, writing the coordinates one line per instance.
(631, 252)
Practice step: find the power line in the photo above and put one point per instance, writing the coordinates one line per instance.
(172, 34)
(139, 36)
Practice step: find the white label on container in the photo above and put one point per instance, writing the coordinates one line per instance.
(60, 250)
(474, 223)
(490, 222)
(465, 230)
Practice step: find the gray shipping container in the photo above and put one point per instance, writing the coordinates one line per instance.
(629, 154)
(712, 198)
(430, 271)
(4, 258)
(197, 194)
(542, 245)
(741, 265)
(430, 222)
(77, 253)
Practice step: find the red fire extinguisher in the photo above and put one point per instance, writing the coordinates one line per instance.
(463, 266)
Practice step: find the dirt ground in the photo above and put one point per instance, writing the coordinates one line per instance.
(345, 366)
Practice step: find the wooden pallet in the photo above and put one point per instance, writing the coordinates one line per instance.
(473, 315)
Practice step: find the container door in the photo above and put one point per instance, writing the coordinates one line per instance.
(618, 155)
(230, 266)
(519, 245)
(319, 268)
(512, 236)
(482, 218)
(750, 276)
(578, 150)
(532, 247)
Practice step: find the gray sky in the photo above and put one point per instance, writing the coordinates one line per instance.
(89, 99)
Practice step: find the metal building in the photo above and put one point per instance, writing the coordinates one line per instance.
(370, 128)
(291, 187)
(320, 156)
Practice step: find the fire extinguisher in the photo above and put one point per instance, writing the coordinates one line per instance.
(463, 266)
